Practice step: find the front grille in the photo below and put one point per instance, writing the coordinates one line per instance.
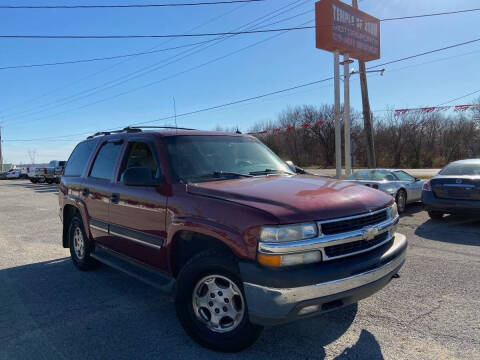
(342, 226)
(352, 247)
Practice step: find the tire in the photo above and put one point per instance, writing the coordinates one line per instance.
(192, 282)
(49, 181)
(401, 200)
(79, 253)
(435, 215)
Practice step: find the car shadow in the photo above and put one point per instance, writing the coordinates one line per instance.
(38, 188)
(413, 209)
(51, 310)
(453, 229)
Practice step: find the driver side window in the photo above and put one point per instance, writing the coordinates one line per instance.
(140, 155)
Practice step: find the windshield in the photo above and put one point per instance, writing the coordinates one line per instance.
(461, 169)
(203, 158)
(375, 175)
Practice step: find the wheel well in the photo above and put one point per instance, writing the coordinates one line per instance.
(404, 190)
(187, 244)
(69, 212)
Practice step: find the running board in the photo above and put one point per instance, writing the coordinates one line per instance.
(141, 272)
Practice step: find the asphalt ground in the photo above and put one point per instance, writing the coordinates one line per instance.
(50, 310)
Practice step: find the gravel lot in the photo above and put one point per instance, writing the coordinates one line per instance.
(49, 310)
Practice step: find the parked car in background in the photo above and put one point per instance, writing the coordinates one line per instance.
(49, 174)
(3, 175)
(402, 186)
(454, 190)
(13, 174)
(243, 240)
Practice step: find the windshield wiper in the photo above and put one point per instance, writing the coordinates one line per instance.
(270, 171)
(221, 174)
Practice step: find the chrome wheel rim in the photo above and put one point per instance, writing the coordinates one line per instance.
(401, 202)
(218, 303)
(78, 243)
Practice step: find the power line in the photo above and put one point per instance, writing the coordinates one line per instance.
(424, 53)
(152, 36)
(459, 98)
(126, 6)
(171, 60)
(216, 34)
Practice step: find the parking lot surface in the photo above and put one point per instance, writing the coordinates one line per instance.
(50, 310)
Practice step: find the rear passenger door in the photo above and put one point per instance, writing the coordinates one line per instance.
(137, 213)
(98, 188)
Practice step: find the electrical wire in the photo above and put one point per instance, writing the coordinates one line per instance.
(154, 67)
(126, 6)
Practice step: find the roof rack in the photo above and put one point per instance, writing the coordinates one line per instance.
(131, 129)
(156, 127)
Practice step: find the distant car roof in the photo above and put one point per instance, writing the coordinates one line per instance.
(466, 161)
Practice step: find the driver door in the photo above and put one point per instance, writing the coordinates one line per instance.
(137, 213)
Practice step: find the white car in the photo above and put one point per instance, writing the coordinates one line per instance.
(13, 174)
(402, 186)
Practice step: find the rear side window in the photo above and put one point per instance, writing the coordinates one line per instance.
(104, 164)
(79, 158)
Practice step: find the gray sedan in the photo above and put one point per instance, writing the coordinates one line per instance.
(397, 183)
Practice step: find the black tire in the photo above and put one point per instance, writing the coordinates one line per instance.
(49, 181)
(401, 200)
(212, 262)
(435, 215)
(85, 262)
(33, 181)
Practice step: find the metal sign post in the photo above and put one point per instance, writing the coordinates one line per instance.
(338, 130)
(346, 113)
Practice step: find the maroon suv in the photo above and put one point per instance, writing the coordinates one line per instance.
(241, 238)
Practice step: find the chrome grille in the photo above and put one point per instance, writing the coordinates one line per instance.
(355, 223)
(355, 246)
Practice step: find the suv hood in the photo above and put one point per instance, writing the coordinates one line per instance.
(296, 198)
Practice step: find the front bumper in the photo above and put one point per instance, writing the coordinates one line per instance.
(450, 206)
(361, 276)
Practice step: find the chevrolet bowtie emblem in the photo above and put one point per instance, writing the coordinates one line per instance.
(370, 233)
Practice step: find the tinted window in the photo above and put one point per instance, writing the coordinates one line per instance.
(403, 176)
(79, 158)
(461, 169)
(193, 158)
(140, 155)
(374, 175)
(104, 164)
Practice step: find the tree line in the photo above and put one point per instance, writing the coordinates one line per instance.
(411, 140)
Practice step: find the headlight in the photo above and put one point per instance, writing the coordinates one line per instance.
(393, 211)
(288, 232)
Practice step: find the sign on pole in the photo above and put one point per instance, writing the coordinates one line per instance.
(350, 31)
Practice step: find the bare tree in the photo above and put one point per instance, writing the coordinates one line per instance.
(32, 153)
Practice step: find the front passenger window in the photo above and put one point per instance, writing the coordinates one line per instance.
(140, 155)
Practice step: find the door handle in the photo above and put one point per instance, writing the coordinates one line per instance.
(115, 198)
(85, 192)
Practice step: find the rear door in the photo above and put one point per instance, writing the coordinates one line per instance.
(138, 213)
(97, 190)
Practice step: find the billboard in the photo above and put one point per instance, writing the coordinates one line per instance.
(341, 27)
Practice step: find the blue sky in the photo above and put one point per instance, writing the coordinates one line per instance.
(79, 98)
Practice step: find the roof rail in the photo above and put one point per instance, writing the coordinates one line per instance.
(156, 127)
(105, 133)
(130, 129)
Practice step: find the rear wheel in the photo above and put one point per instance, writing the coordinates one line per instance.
(80, 245)
(435, 215)
(401, 200)
(211, 305)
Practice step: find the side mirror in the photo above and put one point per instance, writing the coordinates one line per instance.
(295, 168)
(139, 176)
(417, 179)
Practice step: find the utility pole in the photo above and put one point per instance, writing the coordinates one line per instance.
(338, 130)
(367, 114)
(346, 113)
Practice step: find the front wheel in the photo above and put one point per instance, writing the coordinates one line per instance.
(211, 305)
(401, 201)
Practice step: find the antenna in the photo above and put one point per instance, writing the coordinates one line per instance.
(175, 111)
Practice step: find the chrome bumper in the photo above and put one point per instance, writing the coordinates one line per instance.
(321, 242)
(276, 305)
